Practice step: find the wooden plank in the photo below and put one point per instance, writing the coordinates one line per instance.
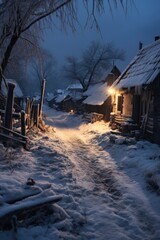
(14, 114)
(42, 97)
(149, 131)
(28, 192)
(21, 208)
(13, 132)
(23, 124)
(12, 138)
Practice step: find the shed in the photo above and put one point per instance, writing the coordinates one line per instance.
(71, 98)
(98, 97)
(137, 91)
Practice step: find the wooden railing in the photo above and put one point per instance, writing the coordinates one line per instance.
(27, 118)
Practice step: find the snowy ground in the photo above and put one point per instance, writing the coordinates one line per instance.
(109, 184)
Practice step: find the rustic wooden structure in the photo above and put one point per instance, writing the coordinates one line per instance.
(71, 99)
(23, 209)
(18, 94)
(27, 119)
(42, 97)
(137, 94)
(98, 97)
(9, 106)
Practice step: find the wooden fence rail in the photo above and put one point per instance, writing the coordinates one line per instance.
(27, 119)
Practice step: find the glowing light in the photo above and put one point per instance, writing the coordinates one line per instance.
(112, 91)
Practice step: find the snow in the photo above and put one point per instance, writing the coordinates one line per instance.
(75, 86)
(73, 91)
(96, 94)
(109, 183)
(50, 96)
(61, 97)
(143, 69)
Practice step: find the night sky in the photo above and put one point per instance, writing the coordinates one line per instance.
(141, 23)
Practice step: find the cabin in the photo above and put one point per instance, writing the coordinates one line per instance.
(98, 99)
(136, 93)
(71, 98)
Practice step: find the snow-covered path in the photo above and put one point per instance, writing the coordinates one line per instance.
(115, 205)
(102, 179)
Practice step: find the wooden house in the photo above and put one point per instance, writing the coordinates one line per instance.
(98, 97)
(137, 92)
(71, 98)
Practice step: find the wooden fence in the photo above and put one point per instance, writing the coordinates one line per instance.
(26, 119)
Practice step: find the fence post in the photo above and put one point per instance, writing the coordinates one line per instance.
(37, 115)
(9, 106)
(28, 110)
(42, 97)
(23, 123)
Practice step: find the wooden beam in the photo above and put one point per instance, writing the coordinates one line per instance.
(21, 208)
(3, 135)
(42, 97)
(13, 132)
(9, 106)
(23, 124)
(14, 114)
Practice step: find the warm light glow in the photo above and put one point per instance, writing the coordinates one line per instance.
(111, 91)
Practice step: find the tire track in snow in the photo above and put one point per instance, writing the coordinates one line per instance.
(100, 188)
(112, 187)
(87, 170)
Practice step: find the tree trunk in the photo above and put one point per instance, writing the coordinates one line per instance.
(7, 54)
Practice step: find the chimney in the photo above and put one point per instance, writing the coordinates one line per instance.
(140, 45)
(156, 38)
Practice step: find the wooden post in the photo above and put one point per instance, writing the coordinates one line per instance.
(23, 123)
(32, 116)
(37, 115)
(9, 106)
(28, 110)
(42, 97)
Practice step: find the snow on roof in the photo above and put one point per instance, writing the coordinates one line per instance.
(17, 90)
(75, 86)
(50, 96)
(61, 97)
(97, 94)
(143, 69)
(72, 91)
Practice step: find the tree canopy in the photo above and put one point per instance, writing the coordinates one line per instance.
(96, 59)
(25, 20)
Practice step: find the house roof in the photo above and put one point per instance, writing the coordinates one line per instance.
(61, 97)
(143, 69)
(75, 86)
(96, 94)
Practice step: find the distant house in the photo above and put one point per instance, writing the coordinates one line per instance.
(98, 97)
(137, 91)
(70, 98)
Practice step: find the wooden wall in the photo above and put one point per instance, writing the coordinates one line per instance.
(157, 110)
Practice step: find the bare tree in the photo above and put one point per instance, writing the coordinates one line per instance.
(44, 65)
(19, 18)
(95, 59)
